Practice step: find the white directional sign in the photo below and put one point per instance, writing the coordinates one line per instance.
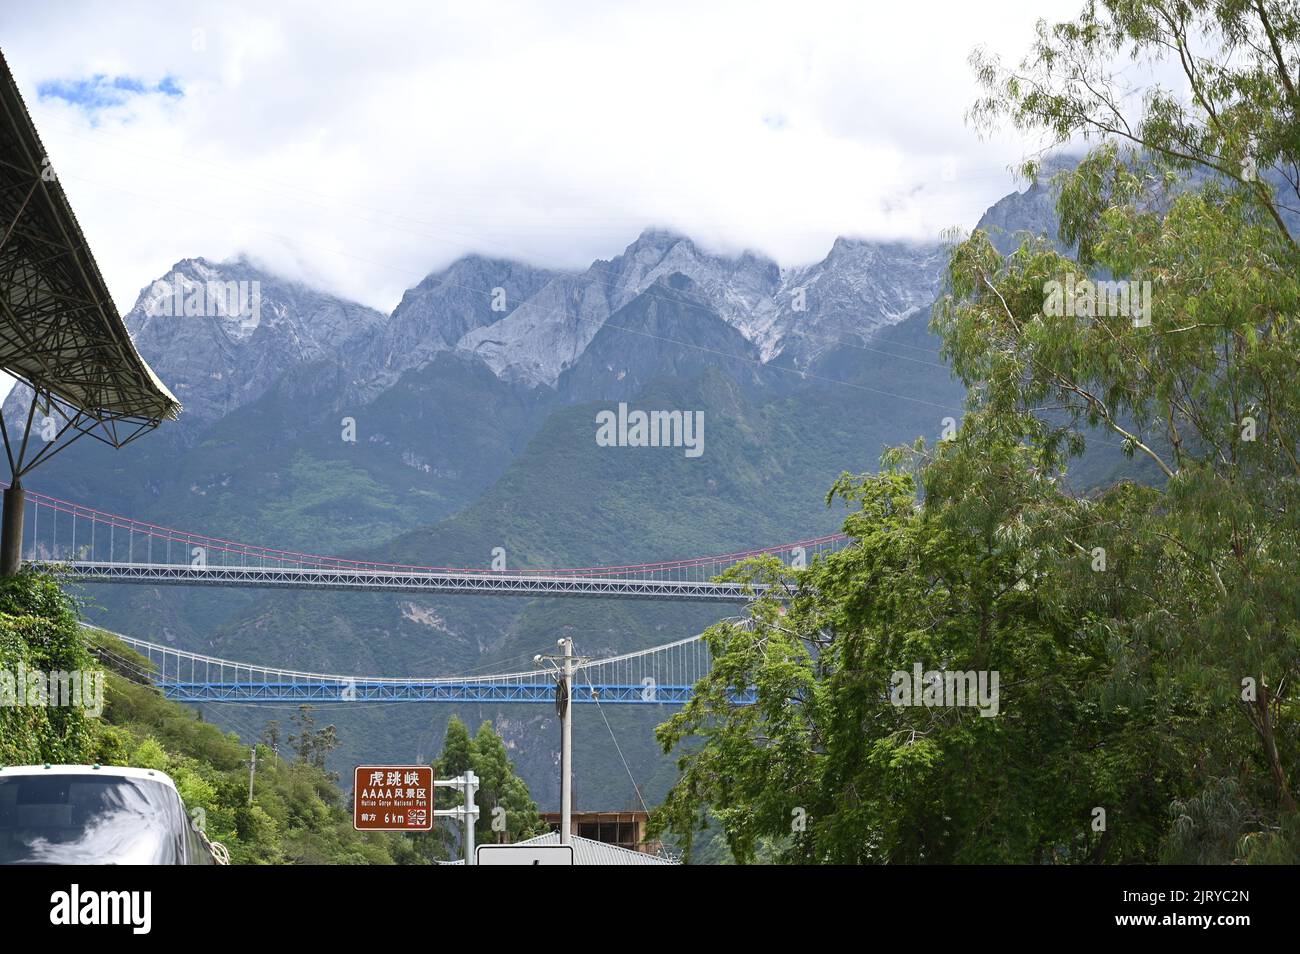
(524, 855)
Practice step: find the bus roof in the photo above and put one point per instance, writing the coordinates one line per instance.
(113, 771)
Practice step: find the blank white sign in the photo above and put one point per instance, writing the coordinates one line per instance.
(524, 855)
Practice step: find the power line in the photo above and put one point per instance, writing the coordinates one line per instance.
(617, 748)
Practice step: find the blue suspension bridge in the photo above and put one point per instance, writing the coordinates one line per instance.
(660, 675)
(90, 545)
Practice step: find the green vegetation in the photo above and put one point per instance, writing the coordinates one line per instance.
(1146, 635)
(39, 633)
(297, 814)
(507, 812)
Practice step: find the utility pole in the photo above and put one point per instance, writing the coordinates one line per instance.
(252, 767)
(564, 666)
(566, 745)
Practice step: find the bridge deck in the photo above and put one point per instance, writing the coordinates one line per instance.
(659, 675)
(397, 580)
(416, 691)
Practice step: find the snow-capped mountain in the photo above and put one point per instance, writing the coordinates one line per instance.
(857, 289)
(222, 334)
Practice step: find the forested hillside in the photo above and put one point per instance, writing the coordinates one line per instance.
(297, 814)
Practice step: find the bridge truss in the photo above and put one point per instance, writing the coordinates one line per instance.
(95, 546)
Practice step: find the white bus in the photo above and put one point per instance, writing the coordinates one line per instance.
(91, 814)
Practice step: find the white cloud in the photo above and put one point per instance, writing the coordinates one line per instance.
(361, 146)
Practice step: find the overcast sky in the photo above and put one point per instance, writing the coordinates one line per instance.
(359, 146)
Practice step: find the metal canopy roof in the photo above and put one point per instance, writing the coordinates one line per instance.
(60, 332)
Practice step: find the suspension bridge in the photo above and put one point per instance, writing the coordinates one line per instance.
(660, 675)
(91, 545)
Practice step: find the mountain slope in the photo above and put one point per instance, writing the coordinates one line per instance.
(432, 317)
(566, 501)
(476, 429)
(230, 354)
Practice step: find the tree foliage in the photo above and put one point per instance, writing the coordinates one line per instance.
(313, 745)
(1147, 632)
(507, 812)
(297, 814)
(39, 633)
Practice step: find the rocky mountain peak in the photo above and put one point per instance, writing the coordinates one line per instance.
(221, 333)
(472, 292)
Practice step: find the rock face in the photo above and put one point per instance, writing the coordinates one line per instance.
(221, 334)
(545, 334)
(531, 327)
(857, 289)
(670, 330)
(471, 293)
(1031, 211)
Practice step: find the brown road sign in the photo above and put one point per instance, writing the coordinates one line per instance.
(392, 798)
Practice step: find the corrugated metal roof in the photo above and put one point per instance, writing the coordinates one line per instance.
(588, 851)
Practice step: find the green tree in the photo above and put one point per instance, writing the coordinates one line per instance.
(312, 745)
(1209, 388)
(1147, 633)
(507, 812)
(456, 746)
(826, 767)
(271, 735)
(39, 636)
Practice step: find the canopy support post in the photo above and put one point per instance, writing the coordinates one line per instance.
(11, 537)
